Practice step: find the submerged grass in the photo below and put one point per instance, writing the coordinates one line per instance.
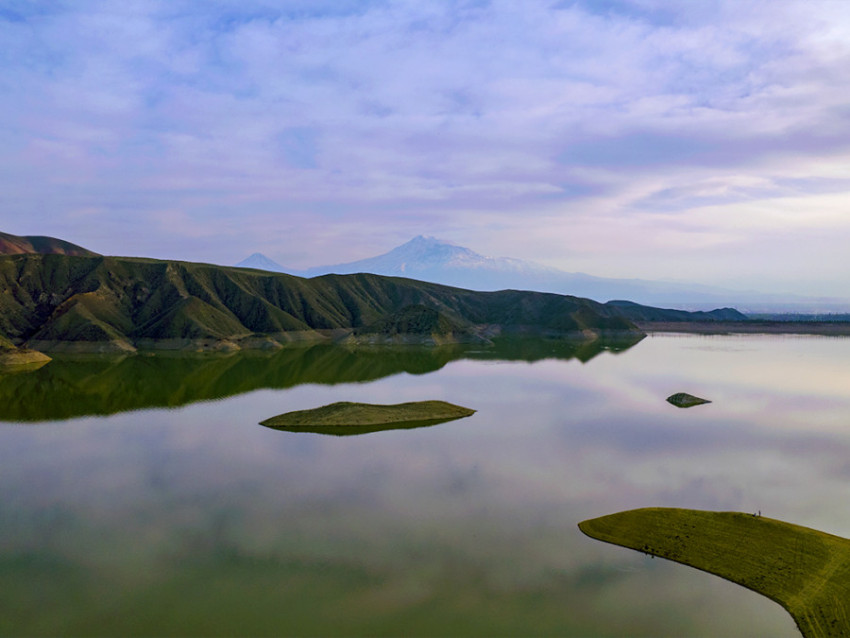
(804, 570)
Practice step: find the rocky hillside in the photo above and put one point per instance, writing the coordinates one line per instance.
(55, 302)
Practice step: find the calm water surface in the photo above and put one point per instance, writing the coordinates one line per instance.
(134, 502)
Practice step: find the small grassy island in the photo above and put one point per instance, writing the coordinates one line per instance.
(804, 570)
(359, 418)
(685, 400)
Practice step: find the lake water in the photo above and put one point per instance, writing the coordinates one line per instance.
(141, 497)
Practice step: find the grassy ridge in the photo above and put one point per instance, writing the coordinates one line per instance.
(49, 299)
(416, 324)
(16, 245)
(804, 570)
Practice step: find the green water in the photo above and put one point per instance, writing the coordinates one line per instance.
(139, 496)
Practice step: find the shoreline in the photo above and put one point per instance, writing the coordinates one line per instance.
(345, 337)
(40, 351)
(822, 328)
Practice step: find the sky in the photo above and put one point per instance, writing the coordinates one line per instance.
(698, 140)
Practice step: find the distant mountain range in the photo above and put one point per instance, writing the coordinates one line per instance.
(439, 261)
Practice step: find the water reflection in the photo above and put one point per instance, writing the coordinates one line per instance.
(96, 385)
(354, 430)
(197, 521)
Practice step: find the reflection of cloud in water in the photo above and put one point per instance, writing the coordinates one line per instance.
(445, 522)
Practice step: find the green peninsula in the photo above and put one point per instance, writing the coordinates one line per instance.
(346, 417)
(804, 570)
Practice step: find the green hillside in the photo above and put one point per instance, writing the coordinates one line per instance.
(637, 312)
(416, 324)
(51, 302)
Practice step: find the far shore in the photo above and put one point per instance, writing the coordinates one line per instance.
(826, 328)
(35, 351)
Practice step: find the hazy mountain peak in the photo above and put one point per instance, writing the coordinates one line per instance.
(261, 262)
(425, 252)
(432, 259)
(427, 241)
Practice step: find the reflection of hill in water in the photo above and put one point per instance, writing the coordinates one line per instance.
(354, 430)
(79, 386)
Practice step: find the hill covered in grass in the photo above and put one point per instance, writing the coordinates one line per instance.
(61, 302)
(39, 244)
(416, 324)
(639, 313)
(804, 570)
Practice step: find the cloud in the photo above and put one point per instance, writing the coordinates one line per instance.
(494, 117)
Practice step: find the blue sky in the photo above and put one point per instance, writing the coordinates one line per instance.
(695, 140)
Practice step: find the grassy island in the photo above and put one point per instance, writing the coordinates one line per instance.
(804, 570)
(359, 418)
(685, 400)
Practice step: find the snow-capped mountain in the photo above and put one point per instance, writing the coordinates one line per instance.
(431, 259)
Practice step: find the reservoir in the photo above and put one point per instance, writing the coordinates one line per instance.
(140, 496)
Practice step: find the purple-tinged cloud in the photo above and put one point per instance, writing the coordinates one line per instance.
(573, 133)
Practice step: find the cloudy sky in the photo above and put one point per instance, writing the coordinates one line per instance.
(695, 140)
